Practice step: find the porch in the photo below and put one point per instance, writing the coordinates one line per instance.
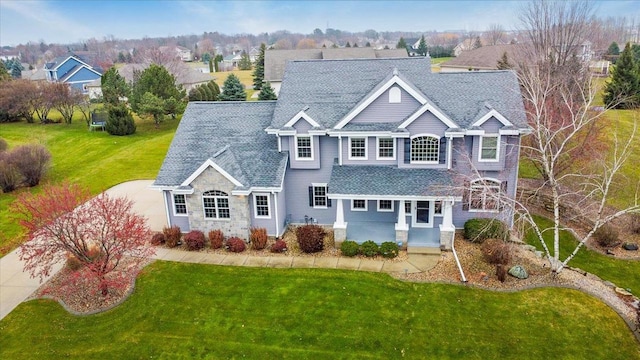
(380, 232)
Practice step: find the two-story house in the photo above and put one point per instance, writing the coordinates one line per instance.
(74, 70)
(377, 149)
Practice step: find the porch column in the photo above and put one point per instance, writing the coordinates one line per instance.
(447, 229)
(402, 230)
(339, 227)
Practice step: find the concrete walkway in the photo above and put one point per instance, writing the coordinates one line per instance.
(16, 285)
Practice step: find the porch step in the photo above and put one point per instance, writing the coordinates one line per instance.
(423, 250)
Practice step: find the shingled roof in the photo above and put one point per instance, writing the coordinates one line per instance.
(485, 57)
(231, 135)
(275, 61)
(329, 89)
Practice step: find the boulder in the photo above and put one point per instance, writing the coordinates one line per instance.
(630, 246)
(623, 292)
(519, 272)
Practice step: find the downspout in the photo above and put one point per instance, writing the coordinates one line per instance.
(166, 207)
(455, 256)
(275, 205)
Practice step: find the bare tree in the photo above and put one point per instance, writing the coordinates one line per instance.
(495, 34)
(65, 100)
(555, 29)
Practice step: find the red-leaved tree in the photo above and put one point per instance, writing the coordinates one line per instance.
(63, 222)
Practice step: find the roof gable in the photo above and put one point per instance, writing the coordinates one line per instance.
(432, 109)
(304, 116)
(207, 164)
(492, 114)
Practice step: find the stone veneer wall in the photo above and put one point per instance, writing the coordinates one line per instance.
(240, 221)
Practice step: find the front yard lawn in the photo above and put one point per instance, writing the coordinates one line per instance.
(623, 273)
(201, 311)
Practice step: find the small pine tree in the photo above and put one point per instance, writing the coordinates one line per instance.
(348, 45)
(402, 44)
(206, 92)
(477, 43)
(623, 90)
(258, 72)
(613, 49)
(267, 92)
(422, 47)
(503, 63)
(233, 90)
(120, 122)
(245, 62)
(368, 44)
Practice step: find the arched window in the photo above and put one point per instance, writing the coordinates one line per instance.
(395, 95)
(215, 204)
(425, 149)
(484, 195)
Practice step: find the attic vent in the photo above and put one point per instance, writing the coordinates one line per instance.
(488, 106)
(395, 71)
(221, 151)
(305, 108)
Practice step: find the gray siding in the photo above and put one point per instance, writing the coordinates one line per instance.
(371, 153)
(372, 213)
(380, 110)
(297, 182)
(181, 221)
(304, 164)
(427, 123)
(492, 126)
(269, 224)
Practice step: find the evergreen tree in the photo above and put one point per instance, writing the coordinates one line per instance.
(207, 92)
(623, 90)
(206, 57)
(402, 44)
(477, 43)
(267, 92)
(156, 80)
(233, 90)
(422, 47)
(613, 49)
(245, 61)
(121, 58)
(152, 105)
(4, 74)
(368, 44)
(355, 44)
(114, 87)
(258, 71)
(14, 67)
(120, 122)
(348, 45)
(503, 63)
(216, 60)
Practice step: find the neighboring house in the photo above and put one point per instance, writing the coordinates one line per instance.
(94, 89)
(180, 52)
(483, 58)
(276, 60)
(376, 149)
(254, 53)
(72, 69)
(34, 75)
(465, 45)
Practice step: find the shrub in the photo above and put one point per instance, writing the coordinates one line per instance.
(32, 161)
(369, 248)
(236, 245)
(194, 240)
(501, 272)
(389, 249)
(606, 236)
(172, 236)
(635, 223)
(158, 239)
(10, 177)
(279, 246)
(3, 145)
(480, 229)
(119, 121)
(216, 239)
(75, 264)
(349, 248)
(310, 238)
(496, 252)
(258, 238)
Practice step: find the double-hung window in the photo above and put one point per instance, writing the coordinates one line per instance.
(358, 148)
(358, 205)
(304, 148)
(489, 148)
(385, 205)
(319, 196)
(215, 204)
(386, 149)
(179, 204)
(261, 206)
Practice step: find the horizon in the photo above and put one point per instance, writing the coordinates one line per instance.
(74, 21)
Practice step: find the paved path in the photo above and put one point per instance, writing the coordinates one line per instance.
(16, 285)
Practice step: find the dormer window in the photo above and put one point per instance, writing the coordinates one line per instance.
(304, 148)
(358, 148)
(395, 95)
(425, 150)
(489, 148)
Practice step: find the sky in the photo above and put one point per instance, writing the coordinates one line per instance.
(69, 21)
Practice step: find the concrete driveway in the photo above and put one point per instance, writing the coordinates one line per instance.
(16, 285)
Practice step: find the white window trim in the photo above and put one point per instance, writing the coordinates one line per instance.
(411, 161)
(255, 206)
(295, 138)
(378, 157)
(366, 148)
(173, 201)
(324, 185)
(482, 137)
(435, 214)
(386, 210)
(218, 218)
(471, 186)
(366, 205)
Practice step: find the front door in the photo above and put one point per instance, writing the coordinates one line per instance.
(422, 214)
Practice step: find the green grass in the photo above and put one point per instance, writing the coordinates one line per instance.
(623, 273)
(202, 311)
(94, 159)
